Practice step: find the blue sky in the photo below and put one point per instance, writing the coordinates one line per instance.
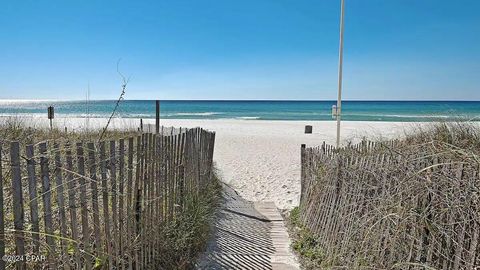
(249, 49)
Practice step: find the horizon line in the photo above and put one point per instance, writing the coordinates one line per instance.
(245, 100)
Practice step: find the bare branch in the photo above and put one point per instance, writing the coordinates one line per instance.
(120, 99)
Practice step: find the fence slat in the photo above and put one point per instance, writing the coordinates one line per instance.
(460, 229)
(2, 213)
(94, 196)
(136, 203)
(47, 203)
(60, 198)
(157, 186)
(18, 214)
(171, 177)
(143, 191)
(181, 172)
(121, 201)
(105, 201)
(130, 206)
(32, 192)
(113, 182)
(150, 200)
(72, 205)
(83, 205)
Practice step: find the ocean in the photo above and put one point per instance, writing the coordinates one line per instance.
(405, 111)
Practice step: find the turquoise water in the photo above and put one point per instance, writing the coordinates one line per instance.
(255, 110)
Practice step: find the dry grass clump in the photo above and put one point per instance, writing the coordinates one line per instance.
(454, 135)
(27, 131)
(407, 204)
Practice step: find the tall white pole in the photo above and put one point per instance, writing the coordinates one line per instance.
(340, 74)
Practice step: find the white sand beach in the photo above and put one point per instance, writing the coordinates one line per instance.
(260, 159)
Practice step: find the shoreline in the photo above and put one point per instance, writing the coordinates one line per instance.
(401, 118)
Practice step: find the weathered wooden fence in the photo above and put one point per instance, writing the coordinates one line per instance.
(392, 205)
(97, 204)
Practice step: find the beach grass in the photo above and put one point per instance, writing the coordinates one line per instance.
(421, 208)
(25, 130)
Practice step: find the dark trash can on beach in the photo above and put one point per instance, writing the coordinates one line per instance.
(308, 129)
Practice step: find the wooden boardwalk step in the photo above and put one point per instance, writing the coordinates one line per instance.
(248, 235)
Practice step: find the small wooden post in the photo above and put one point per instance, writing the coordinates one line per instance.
(157, 117)
(308, 129)
(51, 114)
(141, 124)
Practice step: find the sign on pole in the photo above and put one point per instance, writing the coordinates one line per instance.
(51, 115)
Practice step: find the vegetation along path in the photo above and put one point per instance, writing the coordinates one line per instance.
(247, 235)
